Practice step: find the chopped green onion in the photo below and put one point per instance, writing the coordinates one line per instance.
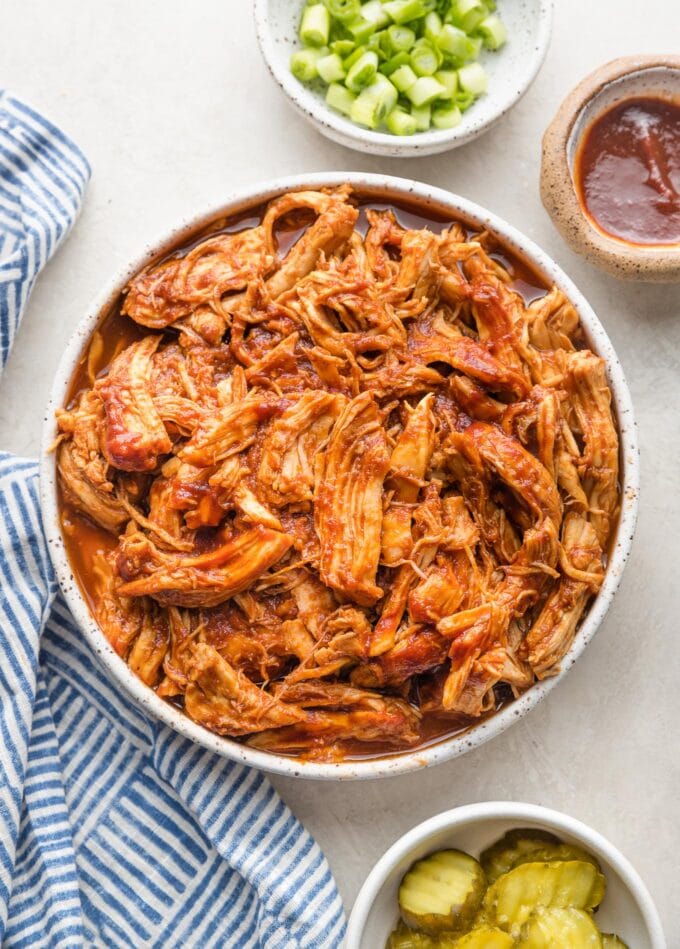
(354, 57)
(472, 78)
(493, 32)
(448, 79)
(405, 65)
(468, 14)
(403, 78)
(464, 100)
(422, 116)
(432, 25)
(400, 38)
(402, 11)
(303, 64)
(424, 90)
(455, 43)
(330, 68)
(376, 43)
(343, 47)
(361, 29)
(340, 98)
(343, 10)
(362, 72)
(374, 102)
(446, 116)
(424, 61)
(315, 25)
(399, 122)
(395, 63)
(374, 12)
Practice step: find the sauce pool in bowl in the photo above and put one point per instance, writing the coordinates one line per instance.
(627, 171)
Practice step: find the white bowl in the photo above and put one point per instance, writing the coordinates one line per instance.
(511, 71)
(384, 187)
(627, 909)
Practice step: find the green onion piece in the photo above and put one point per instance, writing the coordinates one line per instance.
(464, 100)
(425, 89)
(374, 12)
(493, 32)
(375, 43)
(361, 29)
(343, 47)
(432, 25)
(303, 64)
(400, 38)
(343, 10)
(374, 102)
(395, 63)
(330, 68)
(402, 11)
(315, 25)
(403, 78)
(446, 116)
(362, 72)
(399, 122)
(472, 78)
(455, 43)
(354, 57)
(340, 98)
(424, 61)
(475, 46)
(448, 79)
(468, 14)
(422, 116)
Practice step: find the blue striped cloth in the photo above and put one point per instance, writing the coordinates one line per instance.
(114, 830)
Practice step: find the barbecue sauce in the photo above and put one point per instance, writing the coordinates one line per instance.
(628, 171)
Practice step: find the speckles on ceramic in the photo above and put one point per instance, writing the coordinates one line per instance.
(511, 71)
(383, 187)
(628, 76)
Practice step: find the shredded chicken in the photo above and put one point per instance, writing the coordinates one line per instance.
(341, 497)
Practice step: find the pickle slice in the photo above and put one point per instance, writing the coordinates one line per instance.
(504, 854)
(482, 937)
(610, 941)
(560, 929)
(485, 938)
(404, 938)
(548, 853)
(511, 900)
(442, 892)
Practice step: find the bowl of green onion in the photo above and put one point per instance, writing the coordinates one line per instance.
(403, 77)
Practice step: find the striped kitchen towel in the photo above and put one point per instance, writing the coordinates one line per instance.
(114, 831)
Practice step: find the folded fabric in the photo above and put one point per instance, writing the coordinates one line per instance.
(114, 830)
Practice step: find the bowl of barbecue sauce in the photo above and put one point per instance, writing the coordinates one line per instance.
(610, 171)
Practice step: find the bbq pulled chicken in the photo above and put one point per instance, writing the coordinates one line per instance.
(351, 486)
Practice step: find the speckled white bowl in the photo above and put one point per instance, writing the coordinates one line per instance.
(511, 71)
(627, 909)
(384, 188)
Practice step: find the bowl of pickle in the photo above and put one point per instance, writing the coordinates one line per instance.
(501, 875)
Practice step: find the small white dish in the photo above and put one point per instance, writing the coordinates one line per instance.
(443, 203)
(627, 910)
(511, 71)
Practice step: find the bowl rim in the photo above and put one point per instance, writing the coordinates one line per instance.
(340, 130)
(652, 262)
(386, 187)
(459, 817)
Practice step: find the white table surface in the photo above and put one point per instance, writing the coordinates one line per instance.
(174, 108)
